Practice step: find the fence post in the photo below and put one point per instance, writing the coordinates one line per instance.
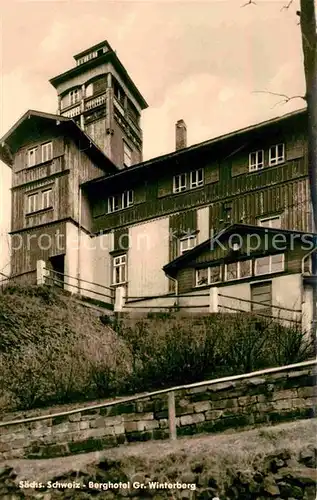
(119, 299)
(40, 272)
(172, 415)
(213, 300)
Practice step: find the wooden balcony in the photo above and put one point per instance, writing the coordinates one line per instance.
(94, 102)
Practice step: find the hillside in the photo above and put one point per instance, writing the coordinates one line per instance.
(56, 345)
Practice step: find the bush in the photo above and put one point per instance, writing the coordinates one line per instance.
(54, 351)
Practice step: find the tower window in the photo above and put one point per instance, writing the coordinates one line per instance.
(73, 96)
(127, 155)
(118, 92)
(32, 203)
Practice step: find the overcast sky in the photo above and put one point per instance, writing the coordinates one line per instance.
(200, 61)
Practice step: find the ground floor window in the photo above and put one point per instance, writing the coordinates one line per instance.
(119, 269)
(261, 297)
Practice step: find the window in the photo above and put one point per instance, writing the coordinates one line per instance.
(113, 204)
(238, 270)
(127, 155)
(187, 243)
(179, 183)
(47, 200)
(261, 297)
(214, 274)
(73, 96)
(119, 269)
(32, 157)
(269, 264)
(196, 178)
(256, 160)
(47, 151)
(276, 154)
(202, 276)
(118, 92)
(33, 203)
(273, 222)
(119, 202)
(127, 199)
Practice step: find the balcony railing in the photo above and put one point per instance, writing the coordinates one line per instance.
(95, 101)
(70, 113)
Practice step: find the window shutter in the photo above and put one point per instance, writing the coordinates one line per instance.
(20, 160)
(240, 164)
(58, 147)
(121, 239)
(211, 173)
(165, 187)
(295, 149)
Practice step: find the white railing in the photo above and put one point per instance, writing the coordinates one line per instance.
(95, 101)
(71, 112)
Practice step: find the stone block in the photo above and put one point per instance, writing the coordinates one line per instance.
(247, 400)
(134, 426)
(222, 386)
(283, 404)
(201, 406)
(213, 414)
(256, 381)
(151, 424)
(306, 392)
(75, 417)
(283, 395)
(61, 428)
(84, 425)
(163, 423)
(192, 419)
(138, 416)
(119, 429)
(115, 420)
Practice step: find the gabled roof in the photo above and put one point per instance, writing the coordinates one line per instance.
(9, 143)
(201, 146)
(223, 235)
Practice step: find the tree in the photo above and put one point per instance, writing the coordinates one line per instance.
(308, 26)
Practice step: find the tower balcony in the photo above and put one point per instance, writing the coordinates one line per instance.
(95, 101)
(71, 112)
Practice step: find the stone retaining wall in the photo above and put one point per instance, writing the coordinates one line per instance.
(212, 408)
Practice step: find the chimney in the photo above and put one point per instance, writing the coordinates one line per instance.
(180, 134)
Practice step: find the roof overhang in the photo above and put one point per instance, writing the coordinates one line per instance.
(12, 140)
(309, 239)
(109, 56)
(200, 148)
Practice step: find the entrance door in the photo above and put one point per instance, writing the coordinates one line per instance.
(58, 269)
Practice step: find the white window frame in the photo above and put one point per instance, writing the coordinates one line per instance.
(239, 277)
(276, 159)
(47, 198)
(194, 181)
(269, 219)
(119, 262)
(256, 273)
(127, 155)
(127, 199)
(254, 162)
(186, 243)
(32, 203)
(47, 151)
(196, 281)
(179, 183)
(74, 97)
(111, 204)
(32, 156)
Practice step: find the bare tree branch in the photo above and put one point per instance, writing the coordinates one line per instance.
(248, 3)
(285, 7)
(285, 99)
